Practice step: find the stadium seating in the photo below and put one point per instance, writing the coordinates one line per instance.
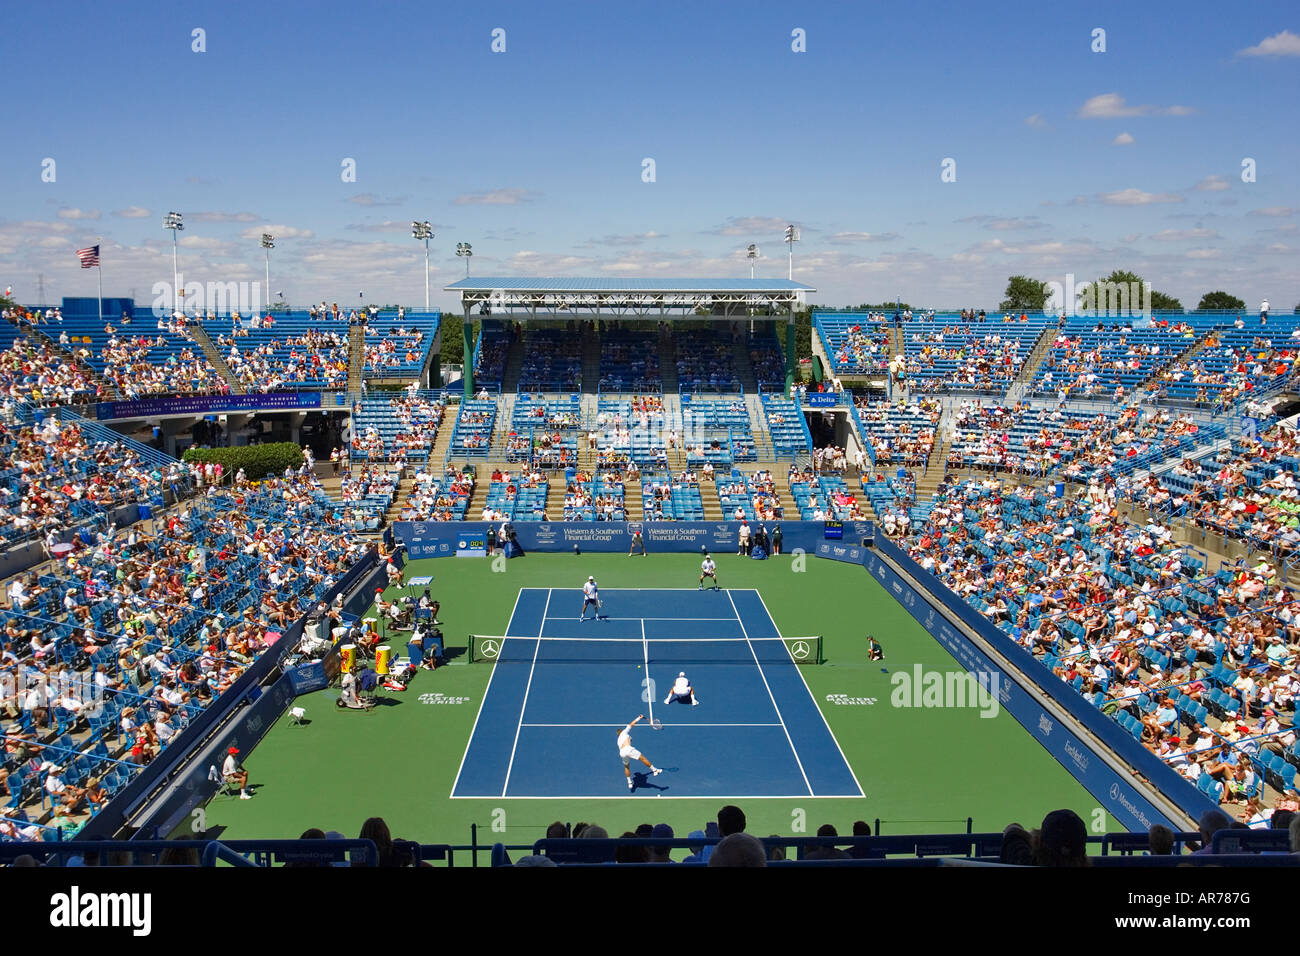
(666, 497)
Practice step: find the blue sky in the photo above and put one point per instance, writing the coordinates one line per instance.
(1067, 160)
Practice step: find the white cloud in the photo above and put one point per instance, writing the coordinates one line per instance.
(1285, 43)
(1123, 139)
(841, 237)
(132, 212)
(1136, 197)
(1005, 223)
(1176, 235)
(1036, 121)
(205, 242)
(1272, 211)
(754, 227)
(74, 213)
(1114, 106)
(1202, 253)
(370, 199)
(495, 197)
(279, 232)
(388, 225)
(221, 217)
(1213, 184)
(631, 239)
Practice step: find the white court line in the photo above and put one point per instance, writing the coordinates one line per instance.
(770, 695)
(649, 685)
(486, 691)
(678, 619)
(579, 590)
(856, 781)
(653, 640)
(714, 799)
(527, 687)
(614, 723)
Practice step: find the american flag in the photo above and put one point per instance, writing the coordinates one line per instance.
(89, 257)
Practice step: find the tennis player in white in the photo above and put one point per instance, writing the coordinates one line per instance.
(590, 596)
(682, 691)
(708, 570)
(630, 753)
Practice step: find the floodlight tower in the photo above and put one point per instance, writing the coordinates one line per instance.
(423, 230)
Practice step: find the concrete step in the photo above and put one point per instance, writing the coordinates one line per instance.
(214, 356)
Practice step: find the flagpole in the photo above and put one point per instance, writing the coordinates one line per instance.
(99, 262)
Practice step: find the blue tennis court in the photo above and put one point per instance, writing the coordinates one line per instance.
(562, 689)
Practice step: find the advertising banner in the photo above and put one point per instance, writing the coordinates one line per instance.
(207, 405)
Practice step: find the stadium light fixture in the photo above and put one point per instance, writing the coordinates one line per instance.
(791, 237)
(268, 243)
(751, 253)
(424, 230)
(176, 223)
(465, 250)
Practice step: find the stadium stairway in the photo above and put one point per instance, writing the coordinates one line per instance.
(668, 368)
(394, 512)
(1032, 361)
(928, 482)
(32, 332)
(590, 362)
(781, 478)
(442, 442)
(510, 375)
(1186, 355)
(897, 344)
(214, 356)
(356, 357)
(479, 498)
(712, 506)
(501, 435)
(555, 497)
(744, 367)
(632, 506)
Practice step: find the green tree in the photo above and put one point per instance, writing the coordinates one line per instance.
(1160, 302)
(1164, 303)
(1023, 295)
(452, 347)
(1220, 300)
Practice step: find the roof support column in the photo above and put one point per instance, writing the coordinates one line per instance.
(791, 357)
(466, 333)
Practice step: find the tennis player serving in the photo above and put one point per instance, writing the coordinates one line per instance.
(630, 753)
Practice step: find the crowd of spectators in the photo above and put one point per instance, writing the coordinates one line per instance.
(438, 497)
(56, 479)
(135, 367)
(40, 374)
(1131, 619)
(399, 347)
(318, 357)
(114, 648)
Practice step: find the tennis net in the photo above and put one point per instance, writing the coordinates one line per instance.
(631, 650)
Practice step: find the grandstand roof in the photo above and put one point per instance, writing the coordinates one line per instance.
(607, 297)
